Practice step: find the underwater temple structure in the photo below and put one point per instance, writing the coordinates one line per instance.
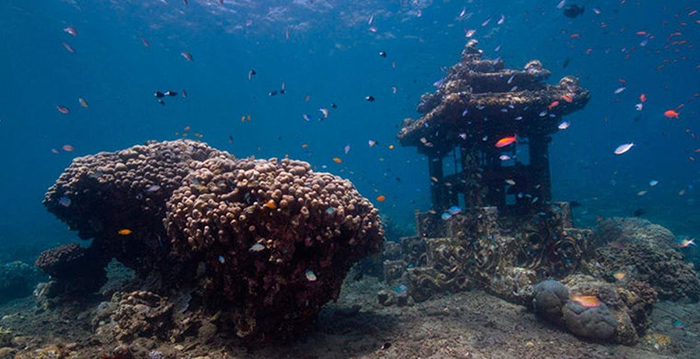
(492, 223)
(474, 116)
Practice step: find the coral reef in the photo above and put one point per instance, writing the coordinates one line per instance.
(17, 280)
(646, 252)
(277, 239)
(268, 242)
(73, 269)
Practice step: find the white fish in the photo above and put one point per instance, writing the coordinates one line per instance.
(641, 193)
(257, 247)
(347, 149)
(561, 4)
(620, 89)
(564, 125)
(501, 20)
(371, 143)
(153, 188)
(623, 148)
(324, 111)
(504, 157)
(510, 182)
(469, 33)
(653, 183)
(464, 11)
(639, 106)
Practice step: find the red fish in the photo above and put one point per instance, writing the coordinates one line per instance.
(643, 98)
(71, 30)
(567, 98)
(671, 114)
(68, 148)
(553, 105)
(588, 301)
(63, 109)
(505, 141)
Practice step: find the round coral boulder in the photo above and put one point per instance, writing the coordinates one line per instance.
(276, 239)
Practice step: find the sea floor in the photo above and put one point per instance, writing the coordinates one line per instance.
(470, 324)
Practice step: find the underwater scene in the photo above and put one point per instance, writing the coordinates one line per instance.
(214, 179)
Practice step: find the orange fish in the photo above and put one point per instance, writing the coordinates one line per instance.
(68, 148)
(271, 204)
(671, 114)
(304, 145)
(588, 301)
(619, 275)
(567, 98)
(381, 198)
(553, 105)
(643, 98)
(187, 128)
(124, 232)
(83, 102)
(337, 160)
(505, 141)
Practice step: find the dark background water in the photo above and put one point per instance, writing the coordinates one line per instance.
(332, 56)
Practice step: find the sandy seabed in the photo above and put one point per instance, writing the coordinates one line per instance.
(471, 324)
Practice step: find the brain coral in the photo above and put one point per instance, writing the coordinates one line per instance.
(276, 237)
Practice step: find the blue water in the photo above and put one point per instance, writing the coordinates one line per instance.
(331, 55)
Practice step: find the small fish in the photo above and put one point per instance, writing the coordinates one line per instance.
(641, 193)
(501, 20)
(55, 151)
(573, 11)
(671, 114)
(64, 201)
(145, 42)
(153, 188)
(68, 148)
(639, 106)
(567, 98)
(553, 105)
(158, 94)
(71, 30)
(187, 56)
(486, 22)
(505, 141)
(504, 157)
(381, 198)
(346, 149)
(222, 259)
(83, 102)
(446, 216)
(324, 111)
(283, 88)
(369, 98)
(454, 210)
(63, 109)
(643, 98)
(251, 73)
(311, 276)
(619, 275)
(257, 247)
(382, 53)
(68, 48)
(371, 143)
(564, 125)
(170, 93)
(124, 232)
(678, 324)
(588, 301)
(510, 182)
(561, 4)
(620, 90)
(623, 148)
(686, 243)
(653, 183)
(330, 210)
(306, 117)
(337, 160)
(271, 204)
(469, 33)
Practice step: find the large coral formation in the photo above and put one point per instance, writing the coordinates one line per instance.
(268, 241)
(646, 252)
(277, 238)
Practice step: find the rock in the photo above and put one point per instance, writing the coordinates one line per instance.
(595, 323)
(7, 353)
(549, 298)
